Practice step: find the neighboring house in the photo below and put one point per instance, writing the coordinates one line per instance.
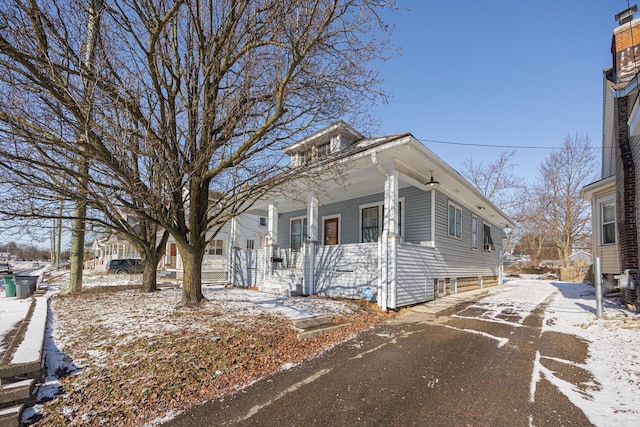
(251, 231)
(615, 238)
(383, 219)
(513, 260)
(110, 247)
(602, 195)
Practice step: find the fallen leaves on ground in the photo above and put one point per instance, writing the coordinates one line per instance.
(142, 357)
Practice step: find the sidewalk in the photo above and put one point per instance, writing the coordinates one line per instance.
(22, 333)
(442, 303)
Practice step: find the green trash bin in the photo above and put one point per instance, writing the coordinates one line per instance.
(9, 286)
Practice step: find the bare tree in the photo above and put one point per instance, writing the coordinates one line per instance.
(532, 237)
(560, 178)
(192, 101)
(498, 182)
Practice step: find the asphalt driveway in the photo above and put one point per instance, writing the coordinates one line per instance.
(466, 365)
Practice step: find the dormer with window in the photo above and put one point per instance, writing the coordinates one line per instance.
(322, 144)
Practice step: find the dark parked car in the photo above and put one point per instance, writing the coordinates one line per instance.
(5, 268)
(125, 266)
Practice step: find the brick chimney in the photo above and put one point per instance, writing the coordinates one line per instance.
(625, 46)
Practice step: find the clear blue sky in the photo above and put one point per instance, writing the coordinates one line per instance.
(498, 72)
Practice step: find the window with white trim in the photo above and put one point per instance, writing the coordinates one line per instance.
(216, 247)
(250, 244)
(324, 149)
(372, 220)
(608, 215)
(474, 232)
(298, 229)
(455, 220)
(488, 241)
(370, 224)
(304, 157)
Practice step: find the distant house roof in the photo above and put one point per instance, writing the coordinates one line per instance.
(581, 255)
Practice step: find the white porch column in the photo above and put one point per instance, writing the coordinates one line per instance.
(312, 217)
(234, 247)
(309, 266)
(272, 240)
(389, 240)
(391, 217)
(272, 226)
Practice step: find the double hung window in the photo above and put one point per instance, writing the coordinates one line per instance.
(455, 221)
(608, 214)
(488, 241)
(474, 232)
(372, 221)
(298, 232)
(370, 224)
(216, 247)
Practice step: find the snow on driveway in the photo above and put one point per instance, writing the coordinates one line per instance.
(614, 354)
(613, 345)
(613, 342)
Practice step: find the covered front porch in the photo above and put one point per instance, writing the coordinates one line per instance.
(370, 233)
(319, 245)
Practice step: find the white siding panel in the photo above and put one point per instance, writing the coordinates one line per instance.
(417, 215)
(345, 271)
(417, 267)
(461, 260)
(249, 269)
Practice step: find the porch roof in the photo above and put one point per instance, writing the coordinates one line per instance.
(358, 172)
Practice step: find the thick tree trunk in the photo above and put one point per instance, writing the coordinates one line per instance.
(192, 279)
(149, 275)
(152, 256)
(77, 249)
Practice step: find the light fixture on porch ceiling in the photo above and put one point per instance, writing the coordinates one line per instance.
(432, 183)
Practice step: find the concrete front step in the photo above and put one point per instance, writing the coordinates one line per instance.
(314, 326)
(285, 292)
(10, 417)
(17, 391)
(311, 322)
(318, 330)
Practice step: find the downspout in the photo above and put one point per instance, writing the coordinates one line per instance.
(432, 242)
(383, 279)
(374, 160)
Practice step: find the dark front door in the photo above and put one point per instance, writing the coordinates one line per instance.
(331, 231)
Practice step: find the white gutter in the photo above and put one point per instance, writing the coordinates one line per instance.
(625, 91)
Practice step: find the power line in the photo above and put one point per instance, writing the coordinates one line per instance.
(529, 147)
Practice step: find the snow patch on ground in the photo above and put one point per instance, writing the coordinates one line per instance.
(614, 342)
(137, 315)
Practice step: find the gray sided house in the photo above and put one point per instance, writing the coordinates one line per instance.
(383, 219)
